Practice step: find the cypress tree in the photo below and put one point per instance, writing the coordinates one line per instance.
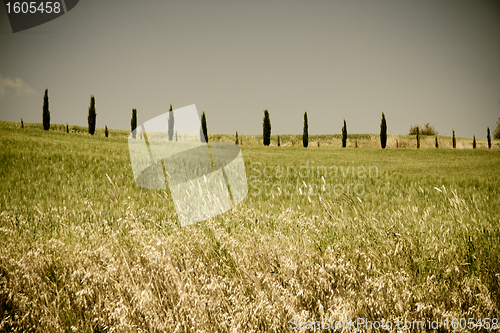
(279, 142)
(92, 115)
(266, 129)
(133, 122)
(46, 112)
(489, 138)
(437, 146)
(454, 140)
(204, 131)
(418, 138)
(67, 128)
(106, 133)
(170, 123)
(474, 142)
(305, 133)
(344, 135)
(22, 123)
(383, 132)
(236, 137)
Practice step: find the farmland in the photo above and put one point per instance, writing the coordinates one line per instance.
(394, 234)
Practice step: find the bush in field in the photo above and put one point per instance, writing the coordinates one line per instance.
(426, 130)
(454, 140)
(488, 136)
(383, 132)
(418, 138)
(45, 111)
(92, 116)
(496, 133)
(106, 133)
(344, 135)
(170, 124)
(266, 129)
(133, 122)
(437, 145)
(305, 132)
(204, 131)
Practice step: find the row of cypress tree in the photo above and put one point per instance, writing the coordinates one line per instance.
(92, 115)
(383, 133)
(91, 118)
(266, 131)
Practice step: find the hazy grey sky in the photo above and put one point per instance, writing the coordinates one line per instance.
(417, 61)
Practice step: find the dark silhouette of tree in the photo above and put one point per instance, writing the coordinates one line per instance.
(488, 136)
(474, 142)
(133, 122)
(418, 138)
(92, 116)
(204, 130)
(46, 112)
(454, 140)
(383, 132)
(305, 132)
(344, 135)
(266, 129)
(106, 133)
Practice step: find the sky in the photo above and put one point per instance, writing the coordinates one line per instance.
(420, 61)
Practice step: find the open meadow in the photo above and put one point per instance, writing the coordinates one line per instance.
(325, 233)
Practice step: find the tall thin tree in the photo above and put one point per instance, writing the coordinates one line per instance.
(236, 137)
(488, 136)
(133, 122)
(266, 129)
(437, 145)
(45, 111)
(344, 135)
(106, 132)
(474, 142)
(279, 142)
(383, 132)
(305, 132)
(92, 116)
(22, 123)
(418, 138)
(170, 124)
(454, 140)
(204, 131)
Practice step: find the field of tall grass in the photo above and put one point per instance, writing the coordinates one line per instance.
(325, 233)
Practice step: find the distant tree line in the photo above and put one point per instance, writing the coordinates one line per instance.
(427, 129)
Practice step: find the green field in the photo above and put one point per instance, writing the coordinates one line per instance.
(394, 234)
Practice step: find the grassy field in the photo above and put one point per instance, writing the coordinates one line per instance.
(325, 233)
